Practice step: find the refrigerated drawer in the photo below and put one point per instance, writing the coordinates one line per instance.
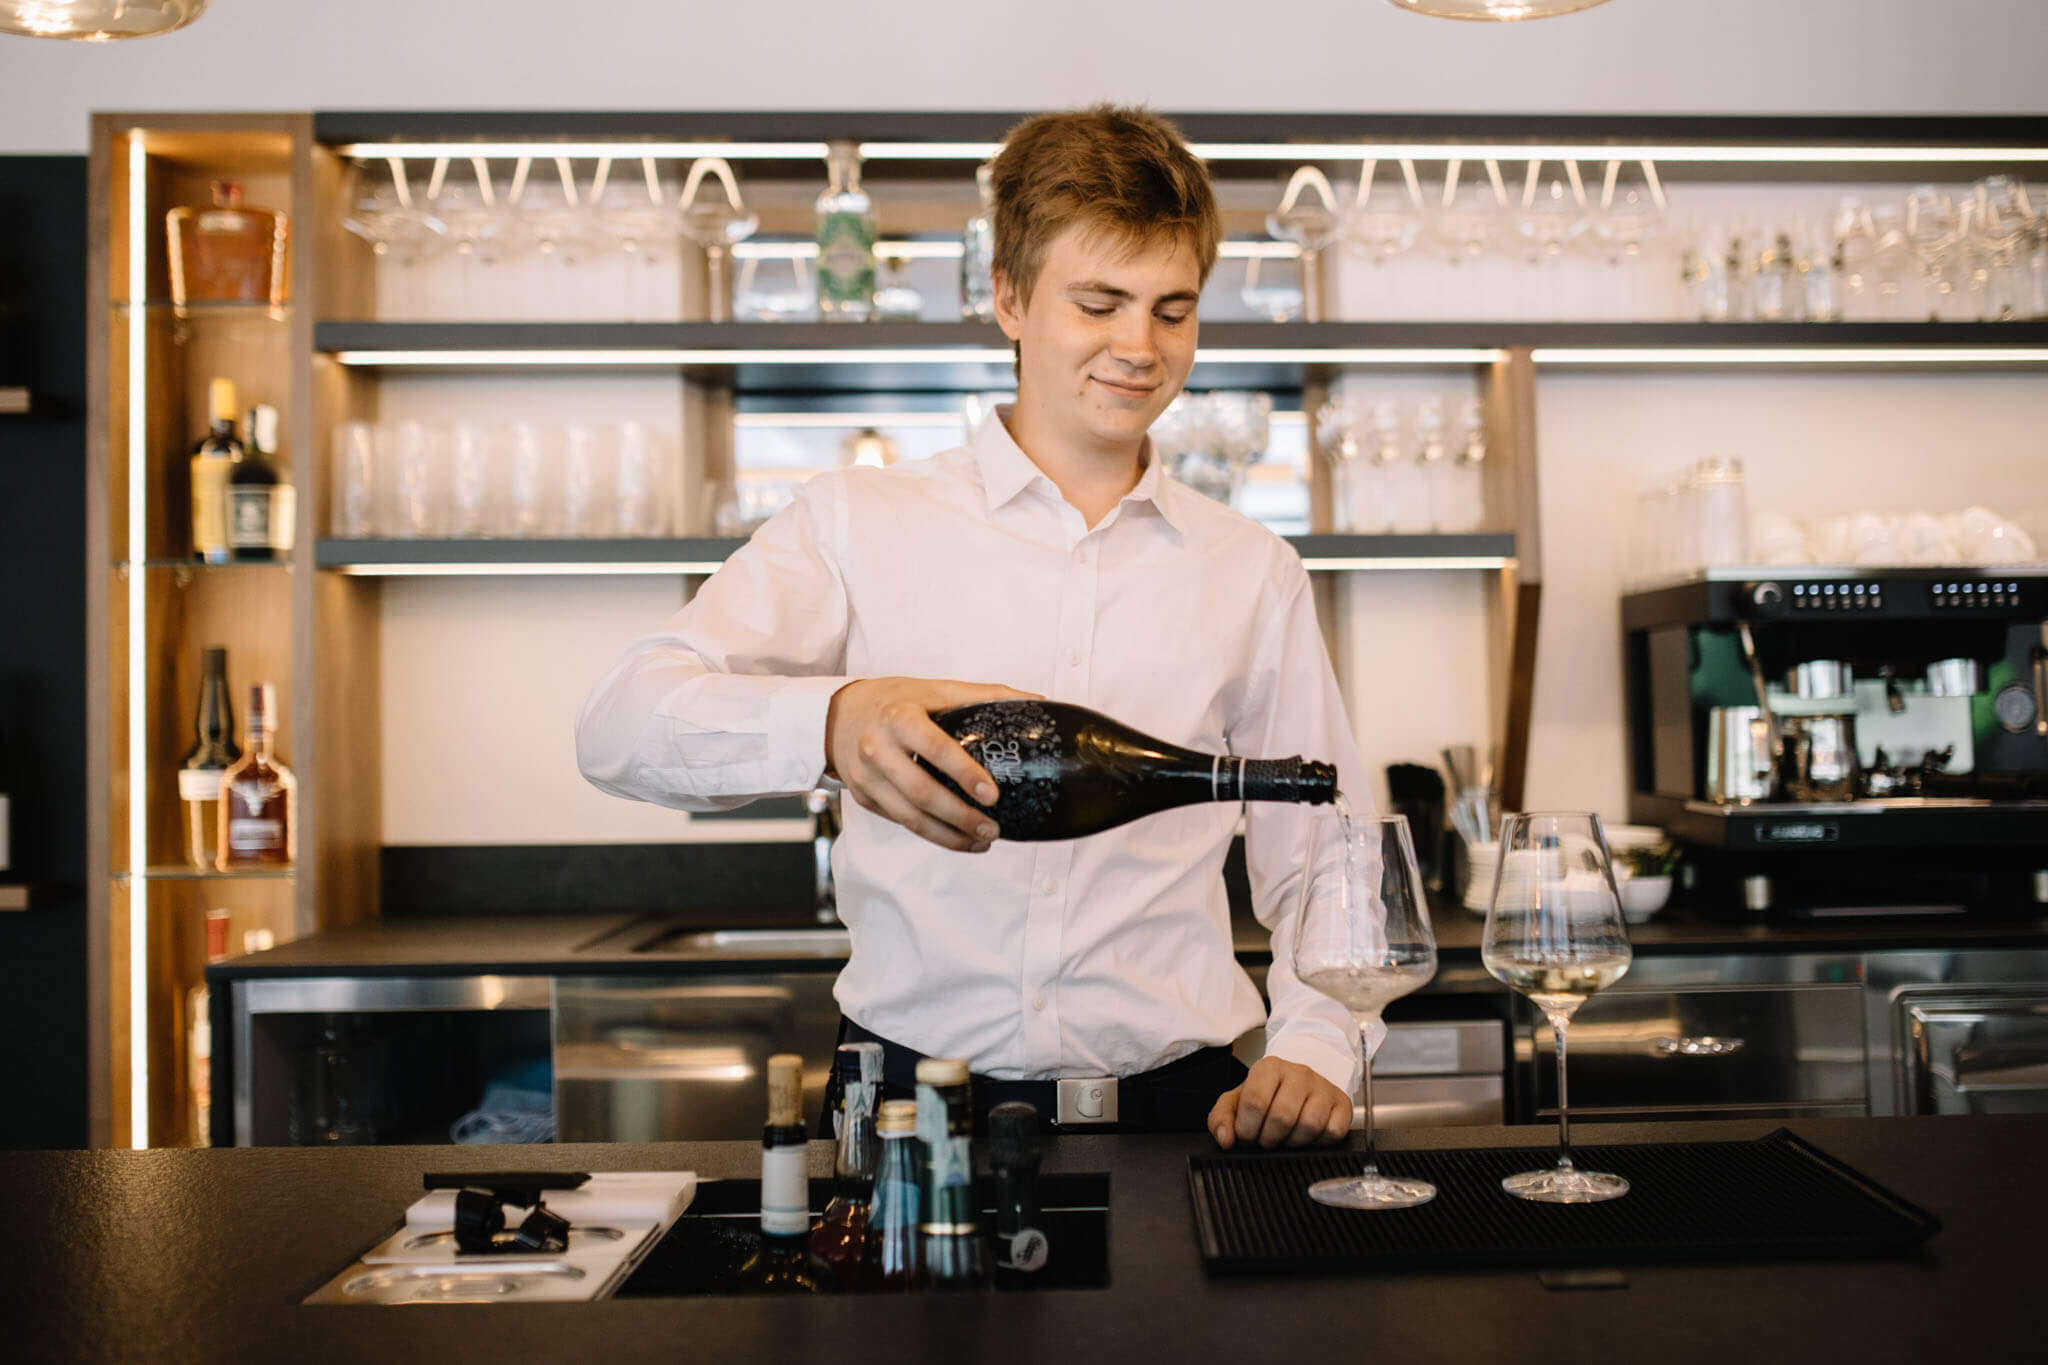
(1659, 1053)
(1976, 1051)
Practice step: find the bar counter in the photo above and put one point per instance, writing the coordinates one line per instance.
(204, 1255)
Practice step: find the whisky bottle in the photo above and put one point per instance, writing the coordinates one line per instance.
(978, 254)
(785, 1264)
(228, 253)
(213, 463)
(846, 240)
(1064, 771)
(840, 1239)
(953, 1246)
(259, 797)
(260, 503)
(213, 753)
(199, 1033)
(893, 1262)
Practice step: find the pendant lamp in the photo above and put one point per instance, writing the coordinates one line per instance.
(1498, 11)
(96, 21)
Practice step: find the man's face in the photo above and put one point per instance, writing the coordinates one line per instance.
(1108, 335)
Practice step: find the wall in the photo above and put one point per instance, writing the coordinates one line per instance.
(1681, 56)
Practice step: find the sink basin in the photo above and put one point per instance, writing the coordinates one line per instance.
(823, 941)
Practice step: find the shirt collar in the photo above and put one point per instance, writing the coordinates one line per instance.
(1007, 471)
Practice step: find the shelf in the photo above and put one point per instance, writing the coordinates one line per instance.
(123, 565)
(221, 308)
(179, 873)
(703, 555)
(14, 401)
(973, 356)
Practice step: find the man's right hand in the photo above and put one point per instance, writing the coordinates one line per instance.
(875, 731)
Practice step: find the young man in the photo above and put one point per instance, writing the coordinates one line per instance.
(1053, 554)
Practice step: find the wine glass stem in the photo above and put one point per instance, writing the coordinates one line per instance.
(1558, 1023)
(1372, 1159)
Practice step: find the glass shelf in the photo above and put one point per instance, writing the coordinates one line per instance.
(123, 565)
(180, 873)
(231, 308)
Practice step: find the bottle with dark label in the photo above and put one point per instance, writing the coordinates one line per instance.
(260, 503)
(785, 1264)
(213, 463)
(955, 1251)
(1013, 1152)
(840, 1239)
(893, 1261)
(1064, 771)
(259, 797)
(213, 752)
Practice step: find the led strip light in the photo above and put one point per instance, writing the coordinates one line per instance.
(138, 661)
(1789, 355)
(882, 355)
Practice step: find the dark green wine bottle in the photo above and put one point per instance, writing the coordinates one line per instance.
(1064, 771)
(953, 1245)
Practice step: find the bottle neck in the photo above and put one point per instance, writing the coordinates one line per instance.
(261, 742)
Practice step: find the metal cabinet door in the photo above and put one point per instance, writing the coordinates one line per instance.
(664, 1059)
(1975, 1050)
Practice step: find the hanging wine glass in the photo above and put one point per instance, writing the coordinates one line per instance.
(1468, 217)
(715, 226)
(391, 217)
(1384, 221)
(1310, 222)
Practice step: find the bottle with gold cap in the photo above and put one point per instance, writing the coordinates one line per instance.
(892, 1261)
(213, 462)
(785, 1264)
(954, 1249)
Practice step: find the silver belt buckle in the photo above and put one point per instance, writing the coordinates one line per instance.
(1081, 1100)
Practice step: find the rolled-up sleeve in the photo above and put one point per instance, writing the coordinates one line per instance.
(727, 702)
(1293, 705)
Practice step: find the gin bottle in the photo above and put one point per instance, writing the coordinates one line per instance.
(846, 241)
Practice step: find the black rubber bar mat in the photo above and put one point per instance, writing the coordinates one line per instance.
(1775, 1198)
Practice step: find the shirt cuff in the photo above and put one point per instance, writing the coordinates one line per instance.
(1337, 1065)
(796, 717)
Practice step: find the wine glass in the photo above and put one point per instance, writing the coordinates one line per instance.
(1363, 939)
(1555, 934)
(715, 226)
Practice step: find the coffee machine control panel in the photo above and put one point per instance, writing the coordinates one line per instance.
(1893, 595)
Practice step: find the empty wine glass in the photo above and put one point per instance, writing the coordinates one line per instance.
(1555, 934)
(1267, 289)
(627, 200)
(1339, 440)
(1310, 221)
(1383, 223)
(1552, 213)
(1363, 938)
(391, 216)
(771, 300)
(717, 226)
(1930, 227)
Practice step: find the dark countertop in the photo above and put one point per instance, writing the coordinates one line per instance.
(574, 945)
(204, 1255)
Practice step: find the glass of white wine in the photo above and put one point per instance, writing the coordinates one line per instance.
(1363, 939)
(1555, 934)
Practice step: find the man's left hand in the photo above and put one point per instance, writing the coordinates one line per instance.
(1281, 1102)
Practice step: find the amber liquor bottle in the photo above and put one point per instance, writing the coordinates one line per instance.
(840, 1239)
(259, 797)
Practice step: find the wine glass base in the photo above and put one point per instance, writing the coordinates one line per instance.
(1565, 1186)
(1372, 1192)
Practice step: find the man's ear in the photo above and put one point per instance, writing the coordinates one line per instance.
(1009, 306)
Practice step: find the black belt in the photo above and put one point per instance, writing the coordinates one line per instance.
(1174, 1098)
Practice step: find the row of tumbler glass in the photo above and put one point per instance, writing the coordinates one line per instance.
(410, 479)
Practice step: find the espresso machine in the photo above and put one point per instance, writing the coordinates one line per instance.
(1828, 742)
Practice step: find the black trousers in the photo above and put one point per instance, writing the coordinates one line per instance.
(1175, 1098)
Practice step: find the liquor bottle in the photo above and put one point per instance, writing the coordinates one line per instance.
(1064, 771)
(213, 461)
(1013, 1153)
(259, 797)
(840, 1239)
(228, 253)
(978, 253)
(213, 753)
(893, 1263)
(785, 1264)
(846, 241)
(953, 1248)
(199, 1033)
(260, 503)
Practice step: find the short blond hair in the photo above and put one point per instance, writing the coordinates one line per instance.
(1123, 171)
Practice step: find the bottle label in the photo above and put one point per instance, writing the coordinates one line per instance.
(1025, 1249)
(785, 1191)
(210, 508)
(249, 518)
(199, 784)
(846, 258)
(255, 834)
(950, 1205)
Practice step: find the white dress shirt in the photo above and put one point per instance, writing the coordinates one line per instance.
(1105, 955)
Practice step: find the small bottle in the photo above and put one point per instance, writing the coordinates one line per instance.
(1013, 1153)
(199, 1033)
(785, 1264)
(893, 1263)
(840, 1239)
(259, 799)
(228, 253)
(846, 241)
(213, 753)
(260, 503)
(213, 463)
(953, 1246)
(1064, 771)
(978, 253)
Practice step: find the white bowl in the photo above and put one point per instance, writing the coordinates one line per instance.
(1642, 897)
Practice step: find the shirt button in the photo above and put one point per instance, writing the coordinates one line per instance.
(1038, 1002)
(1074, 657)
(1050, 886)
